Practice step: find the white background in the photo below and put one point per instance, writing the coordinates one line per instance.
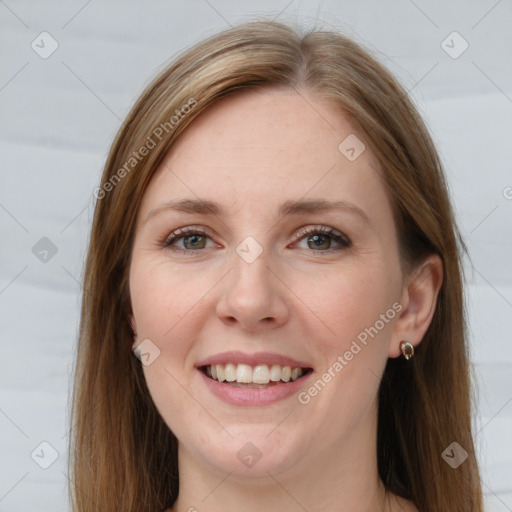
(59, 115)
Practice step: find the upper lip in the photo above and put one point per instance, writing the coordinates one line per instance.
(237, 357)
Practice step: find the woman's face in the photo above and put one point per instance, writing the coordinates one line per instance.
(266, 275)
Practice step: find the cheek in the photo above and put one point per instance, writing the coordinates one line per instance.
(357, 308)
(169, 308)
(163, 306)
(163, 298)
(166, 305)
(351, 302)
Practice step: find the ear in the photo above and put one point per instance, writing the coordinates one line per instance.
(419, 299)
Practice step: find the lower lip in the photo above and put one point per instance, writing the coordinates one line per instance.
(254, 396)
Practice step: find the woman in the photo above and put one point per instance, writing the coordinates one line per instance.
(274, 241)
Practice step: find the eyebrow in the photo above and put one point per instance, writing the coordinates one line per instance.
(290, 207)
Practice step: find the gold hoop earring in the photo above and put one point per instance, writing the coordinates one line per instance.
(407, 350)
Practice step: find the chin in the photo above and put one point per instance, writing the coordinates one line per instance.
(252, 453)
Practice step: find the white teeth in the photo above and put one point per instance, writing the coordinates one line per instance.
(230, 372)
(260, 374)
(296, 373)
(220, 373)
(275, 373)
(244, 373)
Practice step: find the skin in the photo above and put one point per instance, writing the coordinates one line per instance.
(250, 153)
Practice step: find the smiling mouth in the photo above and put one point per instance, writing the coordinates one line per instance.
(258, 376)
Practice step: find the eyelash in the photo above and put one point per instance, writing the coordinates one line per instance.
(340, 238)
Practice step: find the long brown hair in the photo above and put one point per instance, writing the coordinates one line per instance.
(122, 454)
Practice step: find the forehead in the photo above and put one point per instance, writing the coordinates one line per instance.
(267, 146)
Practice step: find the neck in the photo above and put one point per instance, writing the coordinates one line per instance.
(343, 477)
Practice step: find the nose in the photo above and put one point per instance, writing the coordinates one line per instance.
(252, 297)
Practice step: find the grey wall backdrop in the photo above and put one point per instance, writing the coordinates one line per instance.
(69, 72)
